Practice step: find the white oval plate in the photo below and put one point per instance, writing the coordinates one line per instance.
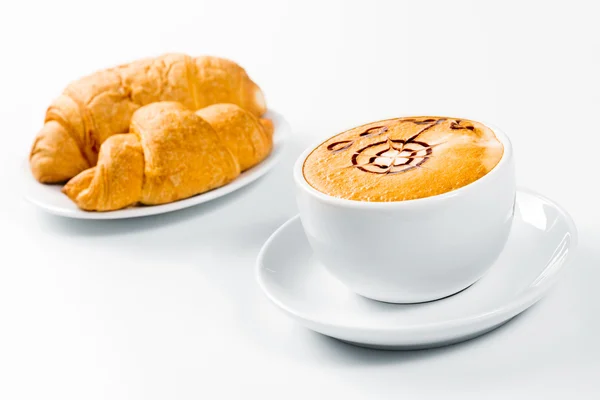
(51, 199)
(542, 241)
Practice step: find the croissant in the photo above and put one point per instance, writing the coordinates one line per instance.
(98, 106)
(232, 122)
(171, 153)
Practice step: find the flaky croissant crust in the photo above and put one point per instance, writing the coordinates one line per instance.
(172, 153)
(100, 105)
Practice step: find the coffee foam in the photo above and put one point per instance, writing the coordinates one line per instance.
(403, 159)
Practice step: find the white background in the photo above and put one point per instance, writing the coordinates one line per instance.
(167, 307)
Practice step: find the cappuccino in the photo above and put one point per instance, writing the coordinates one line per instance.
(403, 159)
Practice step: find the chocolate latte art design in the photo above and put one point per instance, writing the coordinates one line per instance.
(393, 156)
(403, 158)
(336, 147)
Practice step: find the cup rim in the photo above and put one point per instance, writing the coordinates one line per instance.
(301, 181)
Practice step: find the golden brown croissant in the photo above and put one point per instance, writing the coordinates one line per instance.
(232, 123)
(171, 153)
(98, 106)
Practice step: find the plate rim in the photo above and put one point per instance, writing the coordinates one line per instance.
(280, 136)
(511, 308)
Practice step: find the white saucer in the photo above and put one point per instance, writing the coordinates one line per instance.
(541, 243)
(51, 199)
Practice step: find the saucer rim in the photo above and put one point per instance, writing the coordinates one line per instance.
(521, 301)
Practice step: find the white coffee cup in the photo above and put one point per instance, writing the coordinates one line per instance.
(416, 250)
